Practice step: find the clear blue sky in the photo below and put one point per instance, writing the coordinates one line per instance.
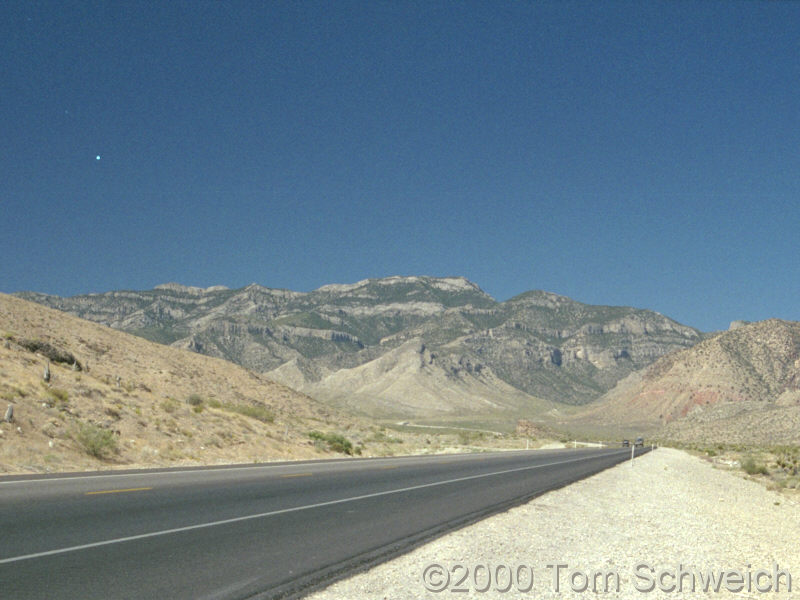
(636, 153)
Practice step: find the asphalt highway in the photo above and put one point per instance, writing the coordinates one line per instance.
(253, 531)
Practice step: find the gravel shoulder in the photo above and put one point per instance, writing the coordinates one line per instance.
(669, 509)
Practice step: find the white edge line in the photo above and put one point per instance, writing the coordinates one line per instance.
(280, 511)
(224, 468)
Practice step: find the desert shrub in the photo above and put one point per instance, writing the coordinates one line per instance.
(96, 441)
(751, 467)
(59, 395)
(214, 403)
(55, 354)
(194, 399)
(787, 458)
(198, 408)
(170, 405)
(339, 443)
(465, 438)
(335, 442)
(380, 436)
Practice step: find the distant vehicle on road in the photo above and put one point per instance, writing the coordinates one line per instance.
(626, 443)
(639, 441)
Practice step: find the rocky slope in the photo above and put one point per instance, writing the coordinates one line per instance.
(740, 386)
(410, 381)
(394, 344)
(113, 399)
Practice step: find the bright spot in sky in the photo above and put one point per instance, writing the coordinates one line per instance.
(97, 157)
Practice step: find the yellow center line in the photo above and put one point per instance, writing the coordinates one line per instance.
(141, 489)
(390, 467)
(296, 475)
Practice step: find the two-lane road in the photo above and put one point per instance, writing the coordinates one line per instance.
(253, 530)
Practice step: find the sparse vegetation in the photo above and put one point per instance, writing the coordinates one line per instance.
(380, 436)
(465, 438)
(152, 416)
(779, 465)
(58, 395)
(96, 441)
(788, 459)
(49, 351)
(170, 405)
(11, 393)
(752, 467)
(335, 442)
(194, 399)
(260, 413)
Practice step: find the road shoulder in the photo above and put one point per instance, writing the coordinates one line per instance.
(622, 529)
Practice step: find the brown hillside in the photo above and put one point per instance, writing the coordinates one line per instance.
(741, 386)
(129, 401)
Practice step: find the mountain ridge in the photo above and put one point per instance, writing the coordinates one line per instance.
(544, 345)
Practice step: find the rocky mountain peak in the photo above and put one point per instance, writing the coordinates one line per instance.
(448, 284)
(542, 298)
(188, 289)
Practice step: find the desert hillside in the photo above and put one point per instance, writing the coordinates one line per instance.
(410, 382)
(741, 386)
(113, 399)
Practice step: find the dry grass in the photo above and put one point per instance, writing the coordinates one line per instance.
(776, 467)
(128, 397)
